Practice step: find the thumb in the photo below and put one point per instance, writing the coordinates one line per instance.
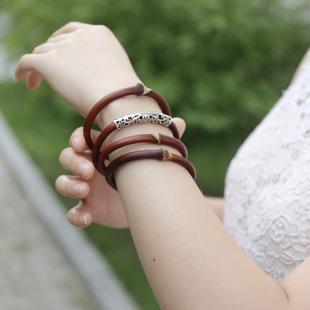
(180, 124)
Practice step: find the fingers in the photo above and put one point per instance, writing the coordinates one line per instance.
(180, 124)
(33, 79)
(76, 164)
(33, 62)
(77, 140)
(79, 165)
(28, 62)
(79, 217)
(72, 187)
(45, 47)
(70, 27)
(58, 38)
(78, 143)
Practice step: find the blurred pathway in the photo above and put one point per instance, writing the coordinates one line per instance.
(46, 263)
(34, 273)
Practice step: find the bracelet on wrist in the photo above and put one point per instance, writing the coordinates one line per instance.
(143, 138)
(131, 120)
(139, 90)
(159, 118)
(160, 154)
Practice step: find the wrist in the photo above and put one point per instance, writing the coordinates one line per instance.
(124, 106)
(128, 105)
(119, 107)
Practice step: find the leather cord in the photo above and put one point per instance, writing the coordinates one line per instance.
(139, 89)
(108, 130)
(159, 154)
(146, 138)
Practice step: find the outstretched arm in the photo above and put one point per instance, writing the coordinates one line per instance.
(190, 260)
(98, 202)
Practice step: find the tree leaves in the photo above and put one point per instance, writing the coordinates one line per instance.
(219, 59)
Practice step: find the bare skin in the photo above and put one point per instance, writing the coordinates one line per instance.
(189, 259)
(99, 203)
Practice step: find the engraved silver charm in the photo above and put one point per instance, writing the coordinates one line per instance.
(143, 118)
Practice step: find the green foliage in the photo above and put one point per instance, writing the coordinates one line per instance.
(220, 63)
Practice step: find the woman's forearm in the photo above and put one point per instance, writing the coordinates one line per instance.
(189, 259)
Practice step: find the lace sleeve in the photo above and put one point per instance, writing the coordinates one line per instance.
(267, 184)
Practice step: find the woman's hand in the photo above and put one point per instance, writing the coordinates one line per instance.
(81, 62)
(99, 203)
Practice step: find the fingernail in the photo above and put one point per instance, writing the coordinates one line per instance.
(84, 219)
(84, 168)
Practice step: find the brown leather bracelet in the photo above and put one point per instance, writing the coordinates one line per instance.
(108, 130)
(146, 138)
(139, 89)
(159, 154)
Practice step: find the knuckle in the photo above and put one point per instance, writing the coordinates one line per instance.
(64, 154)
(102, 28)
(47, 47)
(46, 59)
(38, 48)
(36, 61)
(80, 31)
(78, 132)
(72, 23)
(77, 137)
(35, 50)
(25, 58)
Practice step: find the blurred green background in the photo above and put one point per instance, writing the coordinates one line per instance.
(221, 64)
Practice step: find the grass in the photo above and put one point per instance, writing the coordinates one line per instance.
(43, 125)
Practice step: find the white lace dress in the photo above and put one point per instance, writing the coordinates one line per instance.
(267, 185)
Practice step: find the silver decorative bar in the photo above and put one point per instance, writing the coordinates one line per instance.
(143, 118)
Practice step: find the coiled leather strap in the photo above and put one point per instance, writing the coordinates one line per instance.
(160, 154)
(107, 131)
(139, 89)
(146, 138)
